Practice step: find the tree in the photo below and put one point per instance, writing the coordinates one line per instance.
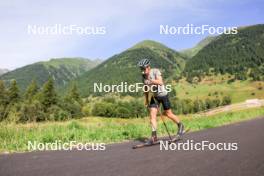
(31, 91)
(13, 92)
(74, 94)
(3, 93)
(48, 95)
(73, 102)
(3, 100)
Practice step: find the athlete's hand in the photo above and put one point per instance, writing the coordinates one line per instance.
(147, 81)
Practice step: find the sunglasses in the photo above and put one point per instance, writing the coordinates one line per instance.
(143, 68)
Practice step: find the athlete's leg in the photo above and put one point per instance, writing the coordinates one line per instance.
(153, 118)
(168, 112)
(172, 116)
(167, 108)
(176, 119)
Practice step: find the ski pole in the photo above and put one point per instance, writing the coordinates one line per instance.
(164, 123)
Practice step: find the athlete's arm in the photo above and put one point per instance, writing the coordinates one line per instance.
(157, 81)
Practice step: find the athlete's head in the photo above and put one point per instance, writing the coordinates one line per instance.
(144, 65)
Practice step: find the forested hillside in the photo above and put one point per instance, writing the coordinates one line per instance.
(123, 67)
(61, 70)
(241, 55)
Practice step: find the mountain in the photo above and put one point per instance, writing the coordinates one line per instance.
(3, 71)
(123, 67)
(189, 53)
(62, 70)
(240, 54)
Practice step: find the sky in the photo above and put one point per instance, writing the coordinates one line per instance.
(125, 23)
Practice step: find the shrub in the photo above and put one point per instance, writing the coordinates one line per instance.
(208, 103)
(73, 107)
(122, 112)
(13, 113)
(103, 109)
(137, 108)
(55, 113)
(187, 106)
(216, 103)
(226, 100)
(30, 112)
(198, 105)
(87, 110)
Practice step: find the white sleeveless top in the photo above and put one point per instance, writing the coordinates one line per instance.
(159, 90)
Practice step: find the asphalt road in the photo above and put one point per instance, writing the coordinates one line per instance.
(121, 159)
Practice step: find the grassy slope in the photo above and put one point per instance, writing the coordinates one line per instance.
(238, 90)
(71, 62)
(14, 137)
(189, 53)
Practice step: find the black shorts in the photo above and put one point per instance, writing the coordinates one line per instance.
(164, 100)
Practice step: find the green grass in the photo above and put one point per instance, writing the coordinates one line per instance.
(14, 137)
(238, 90)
